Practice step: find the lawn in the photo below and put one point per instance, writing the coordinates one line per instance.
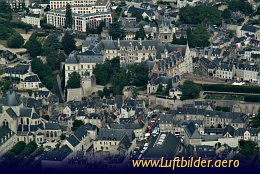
(3, 42)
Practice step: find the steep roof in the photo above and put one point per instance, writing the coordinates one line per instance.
(11, 99)
(114, 134)
(192, 131)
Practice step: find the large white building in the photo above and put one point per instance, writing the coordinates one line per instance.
(32, 19)
(84, 12)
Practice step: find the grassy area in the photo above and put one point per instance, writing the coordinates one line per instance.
(19, 30)
(233, 97)
(214, 96)
(224, 97)
(3, 42)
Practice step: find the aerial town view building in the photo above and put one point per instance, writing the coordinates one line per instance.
(107, 84)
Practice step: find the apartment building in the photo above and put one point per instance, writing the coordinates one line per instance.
(80, 21)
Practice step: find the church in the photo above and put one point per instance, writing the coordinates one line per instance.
(20, 123)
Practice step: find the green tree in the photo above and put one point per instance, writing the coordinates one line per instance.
(18, 147)
(181, 41)
(34, 48)
(5, 10)
(248, 148)
(68, 43)
(200, 14)
(74, 80)
(226, 14)
(68, 17)
(119, 80)
(138, 16)
(39, 151)
(15, 41)
(76, 124)
(29, 148)
(140, 33)
(190, 90)
(138, 74)
(159, 89)
(116, 31)
(198, 38)
(63, 136)
(52, 43)
(256, 120)
(240, 5)
(44, 72)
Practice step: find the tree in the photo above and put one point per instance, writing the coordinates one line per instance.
(63, 136)
(138, 74)
(68, 43)
(240, 5)
(181, 41)
(52, 43)
(256, 120)
(140, 34)
(116, 31)
(29, 148)
(159, 89)
(44, 72)
(119, 80)
(226, 14)
(248, 148)
(39, 151)
(5, 10)
(15, 41)
(198, 38)
(68, 17)
(18, 147)
(200, 14)
(74, 80)
(34, 48)
(138, 16)
(190, 90)
(76, 124)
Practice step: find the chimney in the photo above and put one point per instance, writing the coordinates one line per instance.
(140, 41)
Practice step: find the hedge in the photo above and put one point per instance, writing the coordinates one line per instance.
(230, 88)
(252, 98)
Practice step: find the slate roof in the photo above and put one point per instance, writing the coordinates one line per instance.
(58, 155)
(19, 69)
(205, 151)
(43, 93)
(11, 113)
(168, 148)
(114, 134)
(127, 126)
(249, 28)
(52, 126)
(230, 130)
(4, 132)
(192, 131)
(25, 112)
(32, 78)
(11, 99)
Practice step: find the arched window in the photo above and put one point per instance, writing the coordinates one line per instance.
(21, 120)
(27, 121)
